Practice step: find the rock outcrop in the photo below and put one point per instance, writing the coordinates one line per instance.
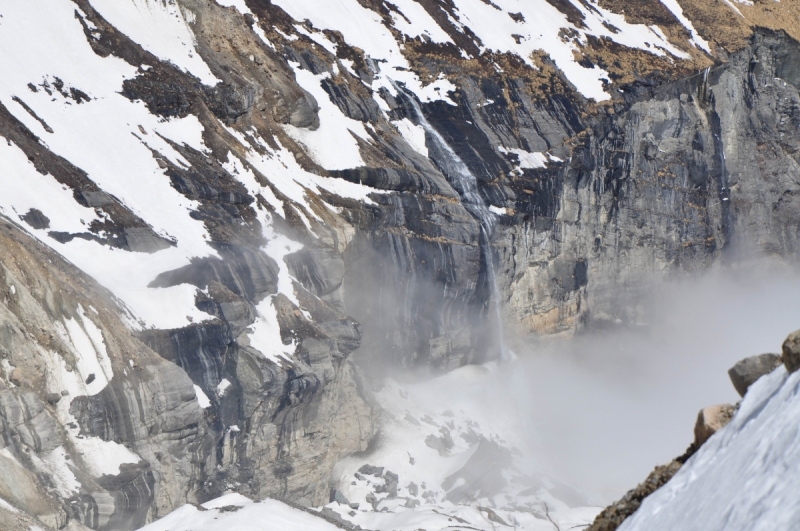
(791, 352)
(104, 428)
(710, 420)
(745, 372)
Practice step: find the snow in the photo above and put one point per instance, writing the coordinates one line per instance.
(540, 31)
(496, 30)
(363, 28)
(407, 423)
(416, 22)
(291, 180)
(730, 4)
(266, 515)
(265, 333)
(25, 188)
(160, 27)
(89, 351)
(7, 506)
(100, 457)
(526, 158)
(96, 136)
(332, 145)
(202, 399)
(413, 134)
(676, 10)
(241, 5)
(222, 387)
(745, 477)
(55, 463)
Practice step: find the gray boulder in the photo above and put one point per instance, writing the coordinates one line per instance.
(710, 420)
(747, 371)
(791, 351)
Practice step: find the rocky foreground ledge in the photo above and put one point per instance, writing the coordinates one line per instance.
(720, 480)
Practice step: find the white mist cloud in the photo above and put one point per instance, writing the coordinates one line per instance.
(602, 410)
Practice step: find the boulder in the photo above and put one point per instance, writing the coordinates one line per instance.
(747, 371)
(710, 420)
(791, 352)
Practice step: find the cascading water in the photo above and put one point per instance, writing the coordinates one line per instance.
(465, 183)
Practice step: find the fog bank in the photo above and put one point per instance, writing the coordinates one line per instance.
(601, 410)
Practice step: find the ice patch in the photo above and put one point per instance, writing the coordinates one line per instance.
(527, 160)
(413, 134)
(222, 387)
(202, 399)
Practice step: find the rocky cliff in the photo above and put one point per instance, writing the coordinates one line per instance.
(211, 207)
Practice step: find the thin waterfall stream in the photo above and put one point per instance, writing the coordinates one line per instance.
(465, 183)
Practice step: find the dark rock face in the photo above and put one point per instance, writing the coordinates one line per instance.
(747, 371)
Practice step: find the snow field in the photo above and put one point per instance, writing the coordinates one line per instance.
(537, 30)
(364, 29)
(162, 28)
(234, 512)
(406, 430)
(332, 145)
(97, 136)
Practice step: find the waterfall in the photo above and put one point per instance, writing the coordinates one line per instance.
(465, 183)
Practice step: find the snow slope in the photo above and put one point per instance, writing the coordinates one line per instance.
(95, 136)
(234, 512)
(746, 477)
(458, 465)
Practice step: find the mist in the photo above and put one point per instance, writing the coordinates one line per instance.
(600, 411)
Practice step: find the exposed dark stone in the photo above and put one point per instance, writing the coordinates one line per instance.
(370, 470)
(745, 372)
(36, 219)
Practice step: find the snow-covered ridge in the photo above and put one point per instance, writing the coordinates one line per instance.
(506, 26)
(745, 477)
(234, 511)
